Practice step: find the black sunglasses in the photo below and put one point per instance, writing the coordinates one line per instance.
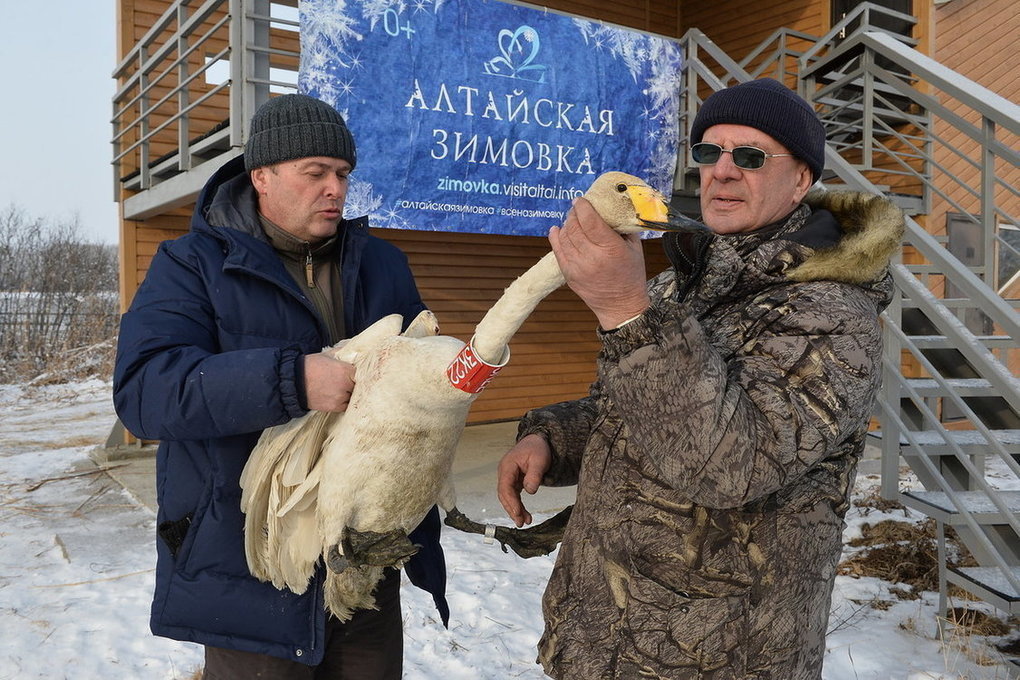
(744, 157)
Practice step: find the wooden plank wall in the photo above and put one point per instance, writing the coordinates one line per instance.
(963, 42)
(655, 16)
(738, 26)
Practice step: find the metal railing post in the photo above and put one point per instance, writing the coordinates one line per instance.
(989, 225)
(240, 96)
(143, 128)
(183, 96)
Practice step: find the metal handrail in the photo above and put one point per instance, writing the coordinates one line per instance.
(159, 68)
(990, 105)
(181, 114)
(167, 47)
(176, 64)
(998, 116)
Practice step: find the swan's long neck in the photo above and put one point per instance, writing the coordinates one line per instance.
(519, 299)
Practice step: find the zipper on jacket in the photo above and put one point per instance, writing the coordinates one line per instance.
(344, 328)
(695, 264)
(700, 251)
(309, 268)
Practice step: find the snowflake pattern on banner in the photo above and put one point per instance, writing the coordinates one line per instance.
(661, 85)
(434, 92)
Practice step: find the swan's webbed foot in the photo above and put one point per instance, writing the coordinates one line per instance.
(540, 539)
(370, 549)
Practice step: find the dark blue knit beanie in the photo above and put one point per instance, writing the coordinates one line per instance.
(297, 126)
(773, 108)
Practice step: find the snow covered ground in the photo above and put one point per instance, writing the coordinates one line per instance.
(76, 575)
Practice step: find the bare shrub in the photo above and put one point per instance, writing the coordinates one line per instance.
(58, 301)
(904, 553)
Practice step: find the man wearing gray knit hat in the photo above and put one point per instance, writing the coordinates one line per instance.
(297, 126)
(715, 456)
(292, 137)
(224, 339)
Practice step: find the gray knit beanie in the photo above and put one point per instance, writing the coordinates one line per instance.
(297, 126)
(767, 105)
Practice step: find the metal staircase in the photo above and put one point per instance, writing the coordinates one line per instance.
(949, 408)
(920, 133)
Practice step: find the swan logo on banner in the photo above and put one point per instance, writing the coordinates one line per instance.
(484, 116)
(518, 50)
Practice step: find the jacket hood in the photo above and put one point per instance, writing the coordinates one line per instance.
(228, 200)
(233, 203)
(873, 230)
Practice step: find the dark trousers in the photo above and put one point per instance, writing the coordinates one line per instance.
(368, 647)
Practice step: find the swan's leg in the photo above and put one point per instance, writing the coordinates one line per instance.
(370, 548)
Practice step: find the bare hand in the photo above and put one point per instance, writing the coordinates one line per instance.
(522, 467)
(606, 269)
(328, 382)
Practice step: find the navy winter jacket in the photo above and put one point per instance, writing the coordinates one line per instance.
(206, 360)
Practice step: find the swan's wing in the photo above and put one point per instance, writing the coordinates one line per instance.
(299, 548)
(386, 327)
(304, 495)
(277, 469)
(424, 325)
(256, 489)
(293, 545)
(305, 446)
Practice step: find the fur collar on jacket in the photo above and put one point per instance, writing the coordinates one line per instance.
(873, 228)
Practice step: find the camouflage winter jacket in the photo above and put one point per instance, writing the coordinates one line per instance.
(715, 454)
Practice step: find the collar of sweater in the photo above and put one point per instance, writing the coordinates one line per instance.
(291, 246)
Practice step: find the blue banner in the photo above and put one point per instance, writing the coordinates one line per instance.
(483, 116)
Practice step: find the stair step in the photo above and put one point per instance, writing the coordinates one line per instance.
(950, 303)
(964, 387)
(938, 505)
(856, 83)
(857, 109)
(943, 342)
(989, 584)
(971, 442)
(215, 141)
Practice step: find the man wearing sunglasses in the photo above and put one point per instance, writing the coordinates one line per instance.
(715, 454)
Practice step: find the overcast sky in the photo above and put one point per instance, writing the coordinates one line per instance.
(56, 61)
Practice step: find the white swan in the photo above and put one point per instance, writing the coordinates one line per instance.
(350, 487)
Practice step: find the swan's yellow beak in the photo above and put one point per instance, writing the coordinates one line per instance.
(653, 210)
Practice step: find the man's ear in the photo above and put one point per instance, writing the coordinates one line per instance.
(258, 179)
(804, 182)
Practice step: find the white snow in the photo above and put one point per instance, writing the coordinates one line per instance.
(76, 576)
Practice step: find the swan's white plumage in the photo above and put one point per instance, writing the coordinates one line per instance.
(382, 464)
